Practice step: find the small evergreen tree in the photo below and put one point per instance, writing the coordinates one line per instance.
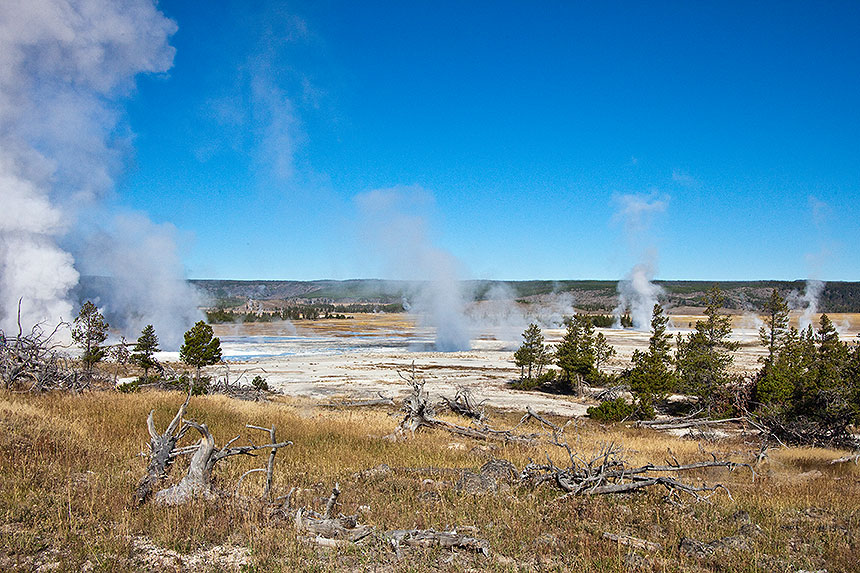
(775, 329)
(89, 331)
(575, 353)
(651, 378)
(533, 355)
(603, 351)
(201, 348)
(704, 357)
(144, 350)
(811, 394)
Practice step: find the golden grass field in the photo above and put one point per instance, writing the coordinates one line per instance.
(69, 465)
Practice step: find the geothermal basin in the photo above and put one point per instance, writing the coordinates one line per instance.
(360, 357)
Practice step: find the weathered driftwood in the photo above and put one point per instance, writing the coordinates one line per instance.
(270, 465)
(197, 482)
(417, 408)
(852, 458)
(328, 530)
(681, 423)
(608, 473)
(381, 401)
(161, 451)
(431, 538)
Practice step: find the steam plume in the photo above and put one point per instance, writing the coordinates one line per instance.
(395, 222)
(146, 285)
(809, 302)
(64, 67)
(637, 293)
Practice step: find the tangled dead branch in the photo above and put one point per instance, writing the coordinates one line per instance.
(205, 454)
(327, 530)
(161, 451)
(607, 472)
(464, 404)
(419, 412)
(35, 362)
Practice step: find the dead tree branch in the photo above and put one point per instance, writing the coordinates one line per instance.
(381, 401)
(430, 538)
(419, 412)
(464, 404)
(607, 472)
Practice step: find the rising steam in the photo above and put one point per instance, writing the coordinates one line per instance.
(65, 66)
(809, 302)
(395, 223)
(637, 293)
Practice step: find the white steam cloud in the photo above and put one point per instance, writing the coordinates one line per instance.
(637, 293)
(395, 223)
(147, 285)
(809, 302)
(64, 67)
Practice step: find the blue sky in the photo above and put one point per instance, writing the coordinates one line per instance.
(526, 124)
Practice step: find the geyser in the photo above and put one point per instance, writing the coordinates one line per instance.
(395, 225)
(65, 66)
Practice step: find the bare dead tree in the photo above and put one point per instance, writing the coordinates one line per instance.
(417, 408)
(161, 447)
(205, 454)
(36, 362)
(419, 412)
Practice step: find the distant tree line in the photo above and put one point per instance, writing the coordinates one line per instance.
(300, 312)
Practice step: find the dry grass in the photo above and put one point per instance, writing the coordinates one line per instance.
(69, 464)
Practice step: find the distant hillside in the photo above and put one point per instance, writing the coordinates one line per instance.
(587, 294)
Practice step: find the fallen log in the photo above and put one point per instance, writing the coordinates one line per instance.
(680, 425)
(431, 538)
(634, 542)
(608, 473)
(381, 401)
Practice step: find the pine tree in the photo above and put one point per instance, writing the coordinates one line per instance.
(651, 378)
(775, 328)
(575, 353)
(705, 355)
(144, 350)
(603, 351)
(201, 348)
(533, 355)
(89, 331)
